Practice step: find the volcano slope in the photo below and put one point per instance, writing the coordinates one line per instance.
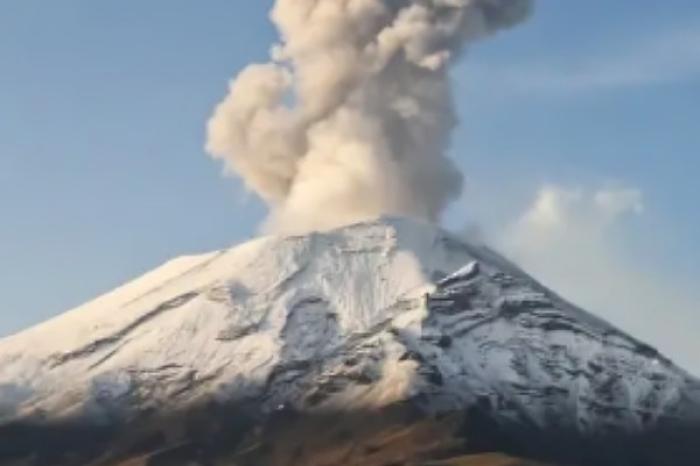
(384, 343)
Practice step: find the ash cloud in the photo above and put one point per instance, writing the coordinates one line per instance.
(352, 116)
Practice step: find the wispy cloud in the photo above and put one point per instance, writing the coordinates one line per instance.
(569, 238)
(668, 57)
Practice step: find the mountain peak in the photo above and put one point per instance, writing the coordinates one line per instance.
(363, 319)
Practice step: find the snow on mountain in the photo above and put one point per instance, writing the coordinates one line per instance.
(359, 318)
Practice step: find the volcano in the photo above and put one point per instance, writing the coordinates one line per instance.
(388, 342)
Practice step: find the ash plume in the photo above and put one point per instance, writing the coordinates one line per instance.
(352, 116)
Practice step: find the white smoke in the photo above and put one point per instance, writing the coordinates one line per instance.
(352, 117)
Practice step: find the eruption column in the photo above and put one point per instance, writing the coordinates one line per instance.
(351, 118)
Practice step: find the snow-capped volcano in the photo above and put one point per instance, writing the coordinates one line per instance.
(364, 319)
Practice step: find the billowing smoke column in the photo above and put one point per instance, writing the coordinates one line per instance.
(352, 117)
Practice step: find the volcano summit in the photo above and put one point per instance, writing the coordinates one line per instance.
(385, 342)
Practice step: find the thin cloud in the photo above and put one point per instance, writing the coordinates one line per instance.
(669, 57)
(571, 240)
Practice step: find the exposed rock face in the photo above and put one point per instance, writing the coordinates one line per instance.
(384, 343)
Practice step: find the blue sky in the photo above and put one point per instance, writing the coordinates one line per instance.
(103, 105)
